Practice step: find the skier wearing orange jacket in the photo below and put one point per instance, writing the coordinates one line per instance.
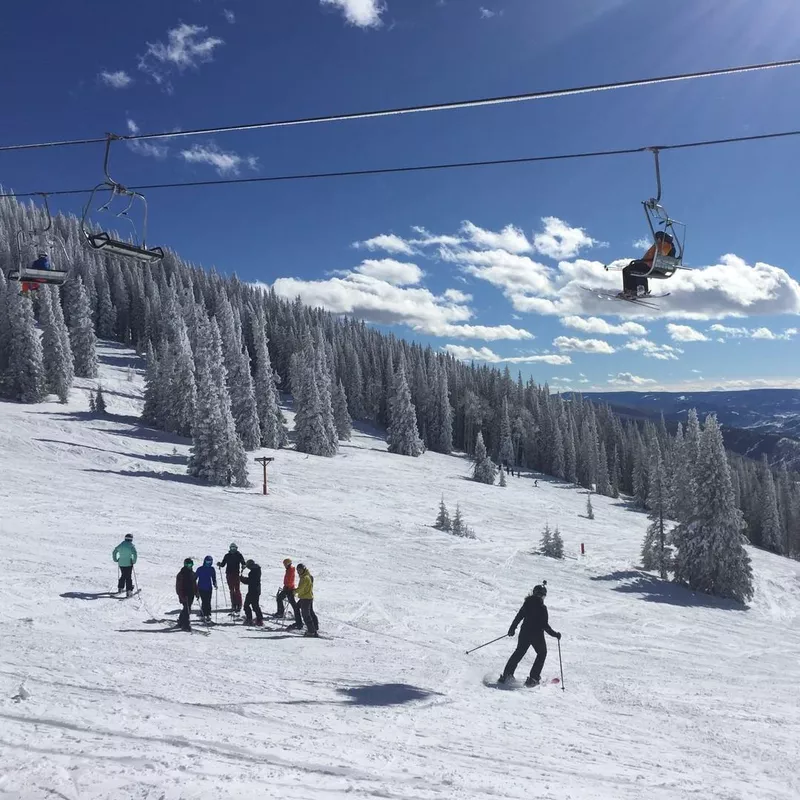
(286, 592)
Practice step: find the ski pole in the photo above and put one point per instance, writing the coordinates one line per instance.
(560, 665)
(485, 644)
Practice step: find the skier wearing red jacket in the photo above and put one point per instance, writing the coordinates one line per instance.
(287, 593)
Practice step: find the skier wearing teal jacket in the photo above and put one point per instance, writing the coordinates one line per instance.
(125, 556)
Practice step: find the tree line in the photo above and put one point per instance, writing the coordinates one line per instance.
(220, 352)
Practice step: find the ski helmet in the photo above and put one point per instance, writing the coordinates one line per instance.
(540, 591)
(301, 567)
(287, 562)
(187, 562)
(249, 563)
(233, 546)
(208, 560)
(128, 537)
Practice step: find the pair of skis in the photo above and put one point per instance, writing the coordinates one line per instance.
(645, 300)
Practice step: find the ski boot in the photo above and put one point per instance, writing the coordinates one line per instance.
(259, 623)
(129, 593)
(503, 678)
(531, 681)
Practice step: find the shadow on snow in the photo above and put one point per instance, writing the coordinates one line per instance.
(162, 459)
(655, 590)
(161, 476)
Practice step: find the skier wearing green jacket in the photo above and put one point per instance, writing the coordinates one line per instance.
(125, 557)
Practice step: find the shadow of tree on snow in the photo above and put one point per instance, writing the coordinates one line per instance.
(175, 477)
(654, 590)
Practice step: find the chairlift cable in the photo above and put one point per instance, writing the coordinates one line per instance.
(404, 110)
(421, 167)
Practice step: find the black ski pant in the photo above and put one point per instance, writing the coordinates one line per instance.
(309, 617)
(183, 617)
(524, 642)
(251, 607)
(288, 594)
(630, 281)
(125, 579)
(205, 602)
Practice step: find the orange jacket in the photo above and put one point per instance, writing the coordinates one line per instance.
(289, 578)
(664, 248)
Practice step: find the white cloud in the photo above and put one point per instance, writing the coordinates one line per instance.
(595, 346)
(186, 47)
(510, 239)
(560, 240)
(116, 80)
(485, 354)
(225, 162)
(487, 13)
(457, 296)
(361, 13)
(727, 332)
(388, 242)
(600, 326)
(685, 333)
(510, 272)
(366, 297)
(145, 148)
(642, 244)
(229, 15)
(426, 238)
(662, 352)
(628, 379)
(397, 273)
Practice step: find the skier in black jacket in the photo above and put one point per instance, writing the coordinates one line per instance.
(253, 583)
(186, 590)
(233, 563)
(533, 616)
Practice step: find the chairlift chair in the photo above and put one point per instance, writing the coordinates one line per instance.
(658, 220)
(136, 249)
(33, 245)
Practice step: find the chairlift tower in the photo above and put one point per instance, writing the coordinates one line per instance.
(264, 460)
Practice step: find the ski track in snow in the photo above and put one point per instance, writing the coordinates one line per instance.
(668, 694)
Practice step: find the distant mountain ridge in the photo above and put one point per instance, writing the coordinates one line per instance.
(755, 421)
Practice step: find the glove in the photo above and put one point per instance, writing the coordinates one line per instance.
(558, 636)
(511, 631)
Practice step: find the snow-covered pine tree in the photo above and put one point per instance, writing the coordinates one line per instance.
(217, 455)
(243, 400)
(81, 331)
(443, 519)
(403, 436)
(656, 554)
(311, 434)
(546, 542)
(506, 452)
(99, 401)
(440, 419)
(603, 480)
(24, 376)
(589, 509)
(557, 544)
(570, 456)
(341, 416)
(640, 477)
(179, 411)
(769, 516)
(558, 452)
(57, 355)
(710, 554)
(457, 524)
(152, 395)
(484, 469)
(502, 481)
(106, 315)
(273, 428)
(324, 369)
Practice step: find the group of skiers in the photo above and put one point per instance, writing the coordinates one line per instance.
(191, 584)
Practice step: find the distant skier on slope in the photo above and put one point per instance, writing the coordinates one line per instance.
(305, 596)
(125, 557)
(206, 584)
(185, 589)
(286, 592)
(251, 599)
(533, 616)
(233, 563)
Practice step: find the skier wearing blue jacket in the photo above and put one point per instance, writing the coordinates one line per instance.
(206, 583)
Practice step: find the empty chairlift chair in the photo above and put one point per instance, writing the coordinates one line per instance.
(103, 241)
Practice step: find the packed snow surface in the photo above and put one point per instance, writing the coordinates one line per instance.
(667, 694)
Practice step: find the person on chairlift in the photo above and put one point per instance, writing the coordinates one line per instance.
(634, 283)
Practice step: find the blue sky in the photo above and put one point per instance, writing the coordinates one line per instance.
(485, 263)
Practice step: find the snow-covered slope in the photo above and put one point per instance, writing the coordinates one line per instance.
(668, 694)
